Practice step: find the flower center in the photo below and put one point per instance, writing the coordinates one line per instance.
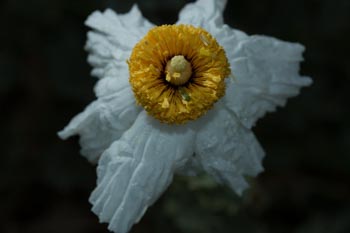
(177, 72)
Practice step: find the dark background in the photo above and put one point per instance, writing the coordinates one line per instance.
(44, 81)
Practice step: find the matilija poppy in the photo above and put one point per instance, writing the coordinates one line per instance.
(176, 98)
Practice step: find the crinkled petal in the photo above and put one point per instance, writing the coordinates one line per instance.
(227, 150)
(112, 39)
(265, 69)
(112, 84)
(265, 74)
(103, 122)
(135, 170)
(203, 13)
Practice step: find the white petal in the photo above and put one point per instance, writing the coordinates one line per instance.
(113, 84)
(229, 39)
(228, 150)
(265, 74)
(113, 38)
(136, 170)
(203, 13)
(103, 122)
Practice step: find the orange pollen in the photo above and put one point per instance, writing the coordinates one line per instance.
(177, 72)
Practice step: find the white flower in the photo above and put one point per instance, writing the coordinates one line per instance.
(137, 154)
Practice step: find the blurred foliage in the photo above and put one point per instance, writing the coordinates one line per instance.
(44, 81)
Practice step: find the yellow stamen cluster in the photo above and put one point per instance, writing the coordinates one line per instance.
(177, 72)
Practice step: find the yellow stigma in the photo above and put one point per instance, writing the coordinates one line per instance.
(177, 72)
